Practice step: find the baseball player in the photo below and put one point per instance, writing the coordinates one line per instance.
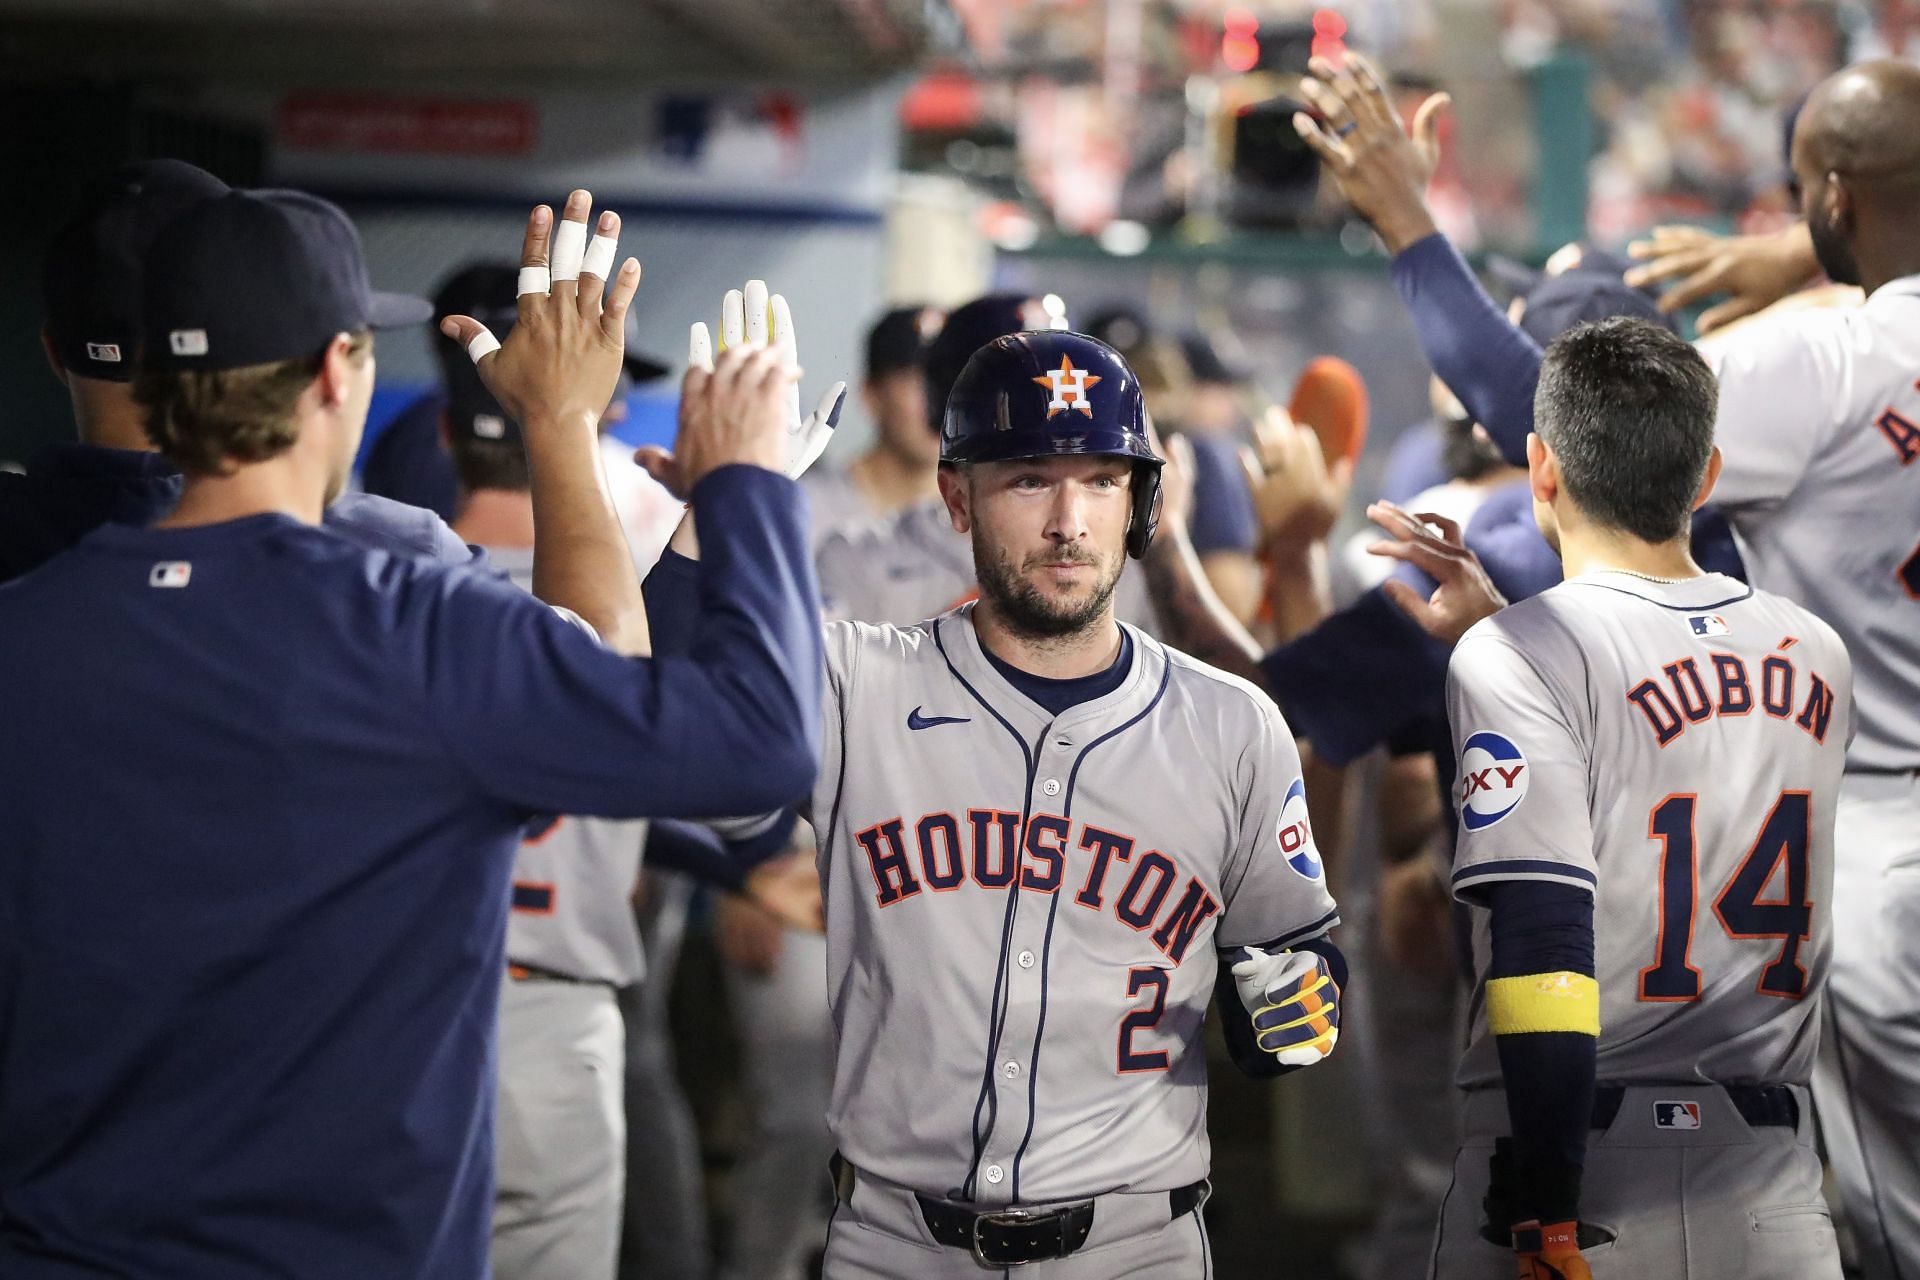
(1650, 760)
(898, 470)
(1037, 829)
(1817, 418)
(92, 335)
(265, 792)
(572, 940)
(777, 977)
(912, 564)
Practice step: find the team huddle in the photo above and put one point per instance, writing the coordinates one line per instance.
(320, 825)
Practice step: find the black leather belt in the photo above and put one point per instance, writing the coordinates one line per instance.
(1768, 1105)
(1013, 1237)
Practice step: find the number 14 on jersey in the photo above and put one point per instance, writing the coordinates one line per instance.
(1779, 852)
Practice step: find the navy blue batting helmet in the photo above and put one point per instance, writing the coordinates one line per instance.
(1051, 392)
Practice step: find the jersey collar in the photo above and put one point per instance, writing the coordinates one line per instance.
(962, 645)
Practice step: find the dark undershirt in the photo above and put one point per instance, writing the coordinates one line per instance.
(1059, 696)
(1538, 927)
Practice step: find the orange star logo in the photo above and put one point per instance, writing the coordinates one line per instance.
(1069, 386)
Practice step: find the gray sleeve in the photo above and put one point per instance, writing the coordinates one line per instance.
(1521, 784)
(1276, 885)
(1784, 384)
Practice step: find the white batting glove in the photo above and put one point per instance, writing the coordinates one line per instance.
(1293, 1001)
(758, 319)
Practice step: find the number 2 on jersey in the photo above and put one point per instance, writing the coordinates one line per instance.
(1146, 1018)
(1784, 838)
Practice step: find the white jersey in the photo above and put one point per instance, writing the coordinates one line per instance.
(1676, 749)
(573, 878)
(909, 566)
(1820, 427)
(1023, 912)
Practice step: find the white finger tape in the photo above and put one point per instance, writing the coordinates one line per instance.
(569, 247)
(533, 280)
(599, 259)
(481, 345)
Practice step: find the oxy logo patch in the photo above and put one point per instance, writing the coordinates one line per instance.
(1676, 1115)
(1493, 780)
(1296, 834)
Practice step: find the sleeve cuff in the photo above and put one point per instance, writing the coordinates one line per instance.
(1467, 880)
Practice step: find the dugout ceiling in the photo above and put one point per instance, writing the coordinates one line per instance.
(644, 41)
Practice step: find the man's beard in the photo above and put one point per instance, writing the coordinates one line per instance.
(1831, 250)
(1030, 612)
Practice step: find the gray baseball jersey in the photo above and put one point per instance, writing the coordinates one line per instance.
(1820, 428)
(573, 878)
(835, 500)
(1022, 912)
(1677, 750)
(912, 565)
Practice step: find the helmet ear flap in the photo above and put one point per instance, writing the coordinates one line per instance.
(1147, 495)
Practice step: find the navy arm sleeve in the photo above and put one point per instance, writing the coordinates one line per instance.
(1236, 1021)
(1482, 356)
(541, 717)
(701, 853)
(1542, 927)
(672, 595)
(1358, 679)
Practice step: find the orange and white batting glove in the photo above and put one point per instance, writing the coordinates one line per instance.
(1550, 1252)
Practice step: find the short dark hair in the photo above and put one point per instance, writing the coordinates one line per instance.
(490, 464)
(1628, 408)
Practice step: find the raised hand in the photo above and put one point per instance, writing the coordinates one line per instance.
(561, 362)
(1695, 264)
(751, 318)
(1296, 495)
(1434, 545)
(1381, 169)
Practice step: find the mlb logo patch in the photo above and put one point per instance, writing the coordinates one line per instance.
(1676, 1115)
(188, 342)
(170, 573)
(104, 352)
(1709, 624)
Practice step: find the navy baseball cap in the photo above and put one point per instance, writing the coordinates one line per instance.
(254, 277)
(472, 413)
(1558, 303)
(91, 278)
(971, 327)
(899, 339)
(489, 292)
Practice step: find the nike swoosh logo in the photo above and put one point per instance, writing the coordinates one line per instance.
(917, 721)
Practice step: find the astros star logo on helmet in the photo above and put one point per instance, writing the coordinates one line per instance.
(1069, 386)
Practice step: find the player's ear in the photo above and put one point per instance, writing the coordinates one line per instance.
(958, 497)
(1543, 470)
(1712, 478)
(335, 375)
(53, 357)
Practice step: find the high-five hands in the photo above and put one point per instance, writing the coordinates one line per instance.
(1434, 545)
(561, 362)
(1381, 168)
(752, 322)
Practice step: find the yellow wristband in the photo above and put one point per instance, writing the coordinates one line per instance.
(1543, 1002)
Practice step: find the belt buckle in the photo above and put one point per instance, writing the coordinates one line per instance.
(999, 1218)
